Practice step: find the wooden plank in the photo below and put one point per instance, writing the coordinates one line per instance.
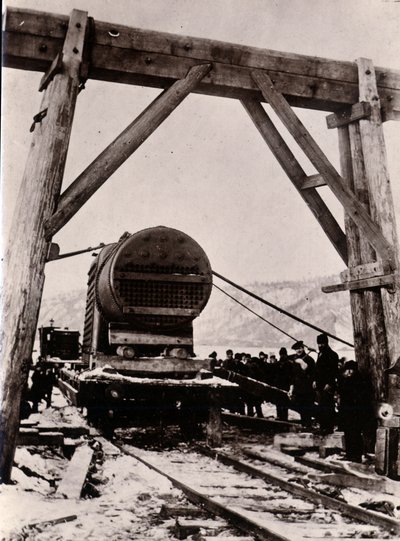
(313, 181)
(325, 168)
(367, 270)
(357, 111)
(260, 423)
(74, 477)
(377, 281)
(51, 522)
(296, 174)
(28, 248)
(169, 511)
(32, 437)
(256, 388)
(329, 84)
(69, 391)
(121, 148)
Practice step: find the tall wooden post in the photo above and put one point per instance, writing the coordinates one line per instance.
(375, 311)
(27, 250)
(382, 211)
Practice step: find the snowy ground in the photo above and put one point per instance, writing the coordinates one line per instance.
(128, 507)
(130, 500)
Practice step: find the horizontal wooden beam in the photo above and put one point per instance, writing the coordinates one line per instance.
(366, 283)
(367, 270)
(356, 112)
(351, 204)
(94, 176)
(313, 181)
(135, 56)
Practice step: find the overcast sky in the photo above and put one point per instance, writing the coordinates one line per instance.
(206, 170)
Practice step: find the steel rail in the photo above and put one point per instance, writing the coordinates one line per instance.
(236, 519)
(352, 511)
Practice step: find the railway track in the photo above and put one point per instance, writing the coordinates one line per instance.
(266, 497)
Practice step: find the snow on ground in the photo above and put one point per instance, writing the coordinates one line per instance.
(128, 507)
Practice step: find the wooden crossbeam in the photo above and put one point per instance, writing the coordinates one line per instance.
(357, 111)
(366, 283)
(135, 56)
(94, 176)
(367, 270)
(311, 149)
(296, 174)
(313, 181)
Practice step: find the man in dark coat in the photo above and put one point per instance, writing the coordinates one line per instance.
(301, 390)
(253, 369)
(326, 374)
(283, 380)
(356, 410)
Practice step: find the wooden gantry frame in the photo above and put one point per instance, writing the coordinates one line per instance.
(359, 97)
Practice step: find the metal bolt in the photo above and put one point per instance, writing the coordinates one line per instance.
(78, 25)
(75, 50)
(187, 47)
(389, 98)
(42, 48)
(367, 72)
(148, 60)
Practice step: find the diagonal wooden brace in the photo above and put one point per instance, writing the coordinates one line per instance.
(94, 176)
(337, 184)
(297, 175)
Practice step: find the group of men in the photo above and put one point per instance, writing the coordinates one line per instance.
(328, 390)
(43, 379)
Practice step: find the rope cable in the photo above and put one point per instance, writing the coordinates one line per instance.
(281, 310)
(255, 313)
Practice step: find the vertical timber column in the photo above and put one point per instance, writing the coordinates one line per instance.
(382, 211)
(375, 360)
(353, 249)
(28, 248)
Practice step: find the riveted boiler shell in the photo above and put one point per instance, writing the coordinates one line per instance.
(158, 278)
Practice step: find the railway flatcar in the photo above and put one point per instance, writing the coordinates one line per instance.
(143, 294)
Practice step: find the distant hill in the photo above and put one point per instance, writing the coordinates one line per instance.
(225, 322)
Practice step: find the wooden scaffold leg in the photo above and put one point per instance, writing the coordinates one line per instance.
(28, 249)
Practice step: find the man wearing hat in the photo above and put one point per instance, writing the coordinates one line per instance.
(326, 374)
(301, 391)
(356, 411)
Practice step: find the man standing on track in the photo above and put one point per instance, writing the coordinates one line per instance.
(301, 391)
(326, 375)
